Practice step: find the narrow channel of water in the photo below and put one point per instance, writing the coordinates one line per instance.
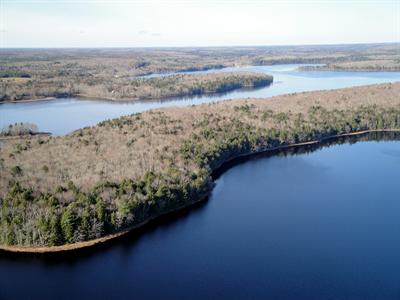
(62, 116)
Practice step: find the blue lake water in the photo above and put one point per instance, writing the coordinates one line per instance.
(309, 225)
(62, 116)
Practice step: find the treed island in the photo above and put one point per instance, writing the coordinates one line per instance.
(57, 193)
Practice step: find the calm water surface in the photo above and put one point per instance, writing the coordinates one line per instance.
(65, 115)
(317, 225)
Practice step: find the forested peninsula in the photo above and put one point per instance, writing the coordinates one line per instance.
(372, 65)
(130, 88)
(60, 193)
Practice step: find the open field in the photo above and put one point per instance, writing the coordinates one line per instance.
(103, 179)
(111, 73)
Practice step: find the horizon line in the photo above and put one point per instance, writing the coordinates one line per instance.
(203, 46)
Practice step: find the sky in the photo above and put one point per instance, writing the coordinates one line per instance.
(176, 23)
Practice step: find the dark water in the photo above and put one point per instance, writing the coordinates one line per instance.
(318, 225)
(65, 115)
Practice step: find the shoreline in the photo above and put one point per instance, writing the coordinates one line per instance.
(172, 97)
(93, 242)
(30, 100)
(267, 83)
(137, 100)
(354, 70)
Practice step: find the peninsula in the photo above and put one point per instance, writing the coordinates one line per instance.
(62, 193)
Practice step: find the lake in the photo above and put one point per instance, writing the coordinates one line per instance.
(62, 116)
(317, 223)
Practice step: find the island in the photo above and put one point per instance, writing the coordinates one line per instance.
(97, 183)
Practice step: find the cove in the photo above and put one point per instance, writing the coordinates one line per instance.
(305, 223)
(64, 115)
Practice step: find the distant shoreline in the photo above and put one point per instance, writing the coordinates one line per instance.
(327, 68)
(93, 242)
(29, 100)
(178, 86)
(132, 100)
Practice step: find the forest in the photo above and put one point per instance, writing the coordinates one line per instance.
(134, 88)
(103, 179)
